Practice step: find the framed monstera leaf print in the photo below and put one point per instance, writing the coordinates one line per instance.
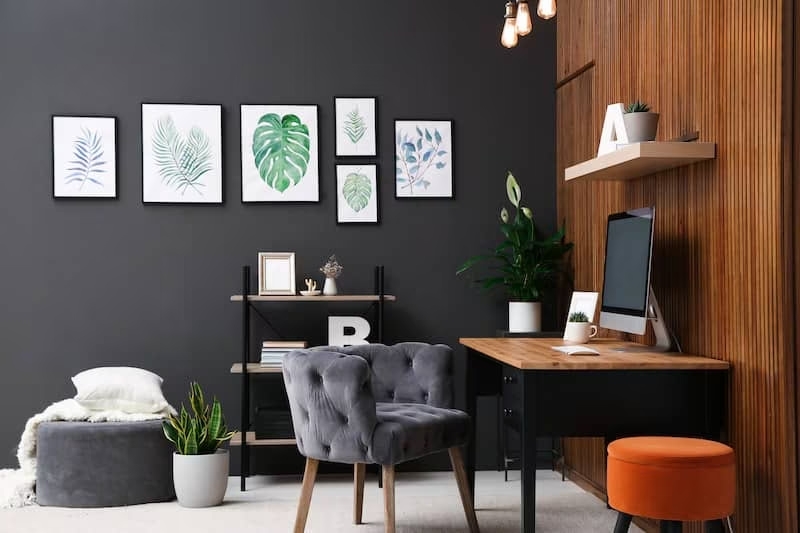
(357, 194)
(181, 154)
(280, 160)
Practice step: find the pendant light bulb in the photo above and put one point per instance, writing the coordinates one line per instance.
(509, 36)
(524, 22)
(546, 9)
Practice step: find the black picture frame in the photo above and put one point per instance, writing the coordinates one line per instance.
(451, 160)
(221, 153)
(374, 125)
(319, 156)
(377, 220)
(53, 162)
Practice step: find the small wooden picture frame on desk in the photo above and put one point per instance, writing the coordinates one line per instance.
(276, 273)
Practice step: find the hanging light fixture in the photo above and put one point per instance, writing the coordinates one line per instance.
(524, 22)
(546, 9)
(509, 36)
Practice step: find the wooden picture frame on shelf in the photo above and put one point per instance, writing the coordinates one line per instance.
(276, 273)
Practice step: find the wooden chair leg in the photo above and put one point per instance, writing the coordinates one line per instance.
(359, 470)
(457, 460)
(715, 526)
(388, 498)
(671, 526)
(309, 477)
(623, 523)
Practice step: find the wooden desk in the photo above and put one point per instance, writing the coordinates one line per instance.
(611, 395)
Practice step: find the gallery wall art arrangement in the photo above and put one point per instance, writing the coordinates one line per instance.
(182, 156)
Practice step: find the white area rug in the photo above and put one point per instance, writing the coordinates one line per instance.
(426, 503)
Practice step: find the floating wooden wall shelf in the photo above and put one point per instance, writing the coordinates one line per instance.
(641, 159)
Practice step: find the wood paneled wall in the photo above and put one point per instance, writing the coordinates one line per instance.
(723, 266)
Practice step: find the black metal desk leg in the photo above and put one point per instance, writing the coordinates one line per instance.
(472, 408)
(527, 419)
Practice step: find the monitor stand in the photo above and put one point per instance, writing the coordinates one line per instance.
(665, 341)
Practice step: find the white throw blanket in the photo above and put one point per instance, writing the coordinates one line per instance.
(17, 486)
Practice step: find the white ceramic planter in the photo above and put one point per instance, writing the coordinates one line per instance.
(641, 127)
(524, 317)
(200, 480)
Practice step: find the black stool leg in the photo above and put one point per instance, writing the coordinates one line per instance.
(623, 523)
(671, 526)
(715, 526)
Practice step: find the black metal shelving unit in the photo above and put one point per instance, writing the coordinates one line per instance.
(246, 439)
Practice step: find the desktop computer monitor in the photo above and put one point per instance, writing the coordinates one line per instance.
(626, 277)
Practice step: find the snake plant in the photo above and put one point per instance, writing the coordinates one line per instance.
(202, 431)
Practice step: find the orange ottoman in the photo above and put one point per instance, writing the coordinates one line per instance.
(671, 479)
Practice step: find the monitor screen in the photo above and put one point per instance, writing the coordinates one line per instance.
(626, 279)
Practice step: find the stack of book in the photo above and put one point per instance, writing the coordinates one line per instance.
(272, 352)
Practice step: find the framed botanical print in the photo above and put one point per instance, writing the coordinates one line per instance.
(181, 154)
(423, 158)
(356, 127)
(357, 194)
(280, 153)
(84, 157)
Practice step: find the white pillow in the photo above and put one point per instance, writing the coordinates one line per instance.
(120, 388)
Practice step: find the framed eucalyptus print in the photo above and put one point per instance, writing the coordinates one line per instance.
(84, 157)
(280, 161)
(423, 158)
(181, 154)
(356, 127)
(357, 194)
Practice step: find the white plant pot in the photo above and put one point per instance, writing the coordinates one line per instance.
(641, 127)
(200, 480)
(524, 317)
(329, 289)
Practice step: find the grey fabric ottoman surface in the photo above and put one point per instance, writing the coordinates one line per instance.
(103, 464)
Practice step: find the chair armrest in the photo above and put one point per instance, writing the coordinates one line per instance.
(332, 406)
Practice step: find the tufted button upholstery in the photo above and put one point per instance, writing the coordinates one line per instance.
(373, 403)
(408, 372)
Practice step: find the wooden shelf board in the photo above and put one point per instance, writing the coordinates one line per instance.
(255, 368)
(253, 441)
(300, 298)
(641, 159)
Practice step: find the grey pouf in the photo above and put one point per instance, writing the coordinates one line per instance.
(103, 464)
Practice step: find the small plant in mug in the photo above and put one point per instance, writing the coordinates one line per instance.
(578, 316)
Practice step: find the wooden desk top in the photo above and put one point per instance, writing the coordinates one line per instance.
(538, 354)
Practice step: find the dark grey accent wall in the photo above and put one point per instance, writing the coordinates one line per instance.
(88, 283)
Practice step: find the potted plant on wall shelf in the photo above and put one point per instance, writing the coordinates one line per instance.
(199, 467)
(528, 267)
(641, 124)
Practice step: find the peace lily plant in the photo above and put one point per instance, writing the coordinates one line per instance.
(526, 266)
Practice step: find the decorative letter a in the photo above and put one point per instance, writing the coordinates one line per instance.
(613, 130)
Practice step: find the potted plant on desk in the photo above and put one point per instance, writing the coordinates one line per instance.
(199, 467)
(527, 266)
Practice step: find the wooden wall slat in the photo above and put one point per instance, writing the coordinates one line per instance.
(720, 258)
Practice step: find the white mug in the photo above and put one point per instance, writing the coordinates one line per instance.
(579, 332)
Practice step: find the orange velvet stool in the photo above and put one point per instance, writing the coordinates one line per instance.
(671, 478)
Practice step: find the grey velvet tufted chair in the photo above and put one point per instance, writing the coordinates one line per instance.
(375, 404)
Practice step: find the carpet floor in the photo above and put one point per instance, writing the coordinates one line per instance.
(425, 503)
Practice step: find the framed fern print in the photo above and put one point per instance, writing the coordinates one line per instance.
(423, 158)
(280, 159)
(181, 154)
(357, 194)
(356, 127)
(84, 157)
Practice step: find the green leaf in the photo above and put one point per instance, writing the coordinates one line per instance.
(181, 162)
(357, 191)
(215, 421)
(282, 150)
(191, 442)
(354, 126)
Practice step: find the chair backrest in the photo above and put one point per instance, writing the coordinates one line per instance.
(333, 411)
(408, 372)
